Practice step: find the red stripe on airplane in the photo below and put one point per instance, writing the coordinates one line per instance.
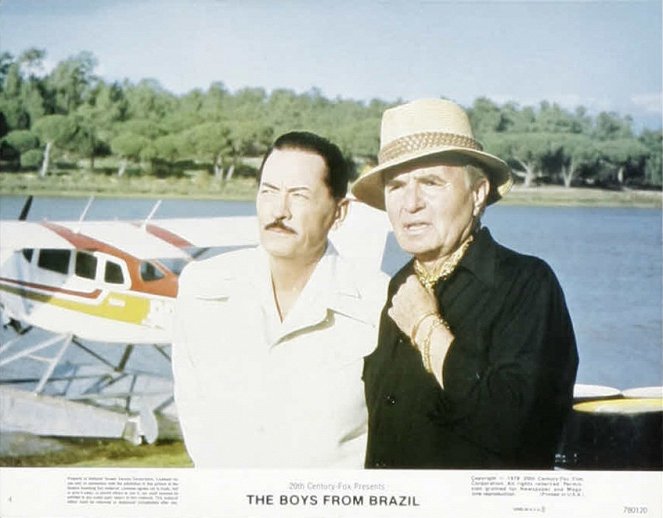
(168, 236)
(45, 287)
(84, 242)
(166, 286)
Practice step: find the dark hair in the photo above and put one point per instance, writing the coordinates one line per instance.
(338, 170)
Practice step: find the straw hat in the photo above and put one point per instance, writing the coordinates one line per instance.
(423, 129)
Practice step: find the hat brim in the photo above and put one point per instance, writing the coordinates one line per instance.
(369, 188)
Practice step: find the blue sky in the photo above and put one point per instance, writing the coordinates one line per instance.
(599, 54)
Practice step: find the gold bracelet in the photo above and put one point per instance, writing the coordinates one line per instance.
(428, 365)
(417, 324)
(425, 354)
(444, 324)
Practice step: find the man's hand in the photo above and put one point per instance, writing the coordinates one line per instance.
(410, 303)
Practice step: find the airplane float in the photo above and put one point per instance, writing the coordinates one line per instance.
(112, 282)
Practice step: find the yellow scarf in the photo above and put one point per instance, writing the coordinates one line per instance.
(443, 269)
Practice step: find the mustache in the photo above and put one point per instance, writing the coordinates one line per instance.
(279, 225)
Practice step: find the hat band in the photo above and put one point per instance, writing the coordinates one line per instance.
(424, 141)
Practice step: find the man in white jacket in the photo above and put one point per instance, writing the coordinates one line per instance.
(269, 341)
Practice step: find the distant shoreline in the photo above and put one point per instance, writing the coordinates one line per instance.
(582, 196)
(244, 189)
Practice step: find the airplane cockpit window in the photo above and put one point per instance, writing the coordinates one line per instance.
(174, 264)
(149, 272)
(113, 273)
(27, 253)
(54, 260)
(86, 265)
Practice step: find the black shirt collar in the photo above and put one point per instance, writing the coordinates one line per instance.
(479, 260)
(480, 257)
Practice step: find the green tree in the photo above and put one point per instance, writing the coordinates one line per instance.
(148, 100)
(487, 117)
(525, 152)
(214, 102)
(362, 138)
(166, 150)
(96, 118)
(653, 170)
(552, 118)
(6, 60)
(18, 142)
(32, 61)
(86, 141)
(71, 82)
(247, 138)
(11, 85)
(610, 126)
(31, 159)
(22, 140)
(572, 152)
(248, 104)
(107, 105)
(32, 100)
(11, 107)
(622, 154)
(188, 112)
(209, 142)
(21, 92)
(54, 130)
(143, 127)
(129, 147)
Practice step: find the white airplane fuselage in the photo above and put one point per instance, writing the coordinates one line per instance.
(92, 289)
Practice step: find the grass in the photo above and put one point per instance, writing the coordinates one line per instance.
(199, 184)
(583, 196)
(81, 183)
(105, 453)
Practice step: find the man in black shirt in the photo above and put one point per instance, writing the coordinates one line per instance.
(476, 356)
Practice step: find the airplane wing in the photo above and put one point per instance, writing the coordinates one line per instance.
(17, 235)
(208, 232)
(125, 236)
(362, 235)
(158, 238)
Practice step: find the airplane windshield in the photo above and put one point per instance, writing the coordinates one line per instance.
(174, 264)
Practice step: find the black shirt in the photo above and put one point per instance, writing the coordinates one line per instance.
(508, 375)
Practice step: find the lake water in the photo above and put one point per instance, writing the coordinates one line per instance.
(608, 261)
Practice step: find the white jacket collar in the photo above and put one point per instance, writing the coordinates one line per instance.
(333, 286)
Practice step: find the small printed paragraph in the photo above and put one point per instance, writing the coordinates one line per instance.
(123, 490)
(534, 485)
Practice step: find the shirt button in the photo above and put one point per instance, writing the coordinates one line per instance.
(390, 399)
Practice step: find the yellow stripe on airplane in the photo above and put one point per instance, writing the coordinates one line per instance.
(122, 307)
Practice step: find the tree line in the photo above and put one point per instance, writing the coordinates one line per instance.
(70, 113)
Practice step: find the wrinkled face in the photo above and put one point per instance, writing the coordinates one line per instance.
(295, 207)
(432, 208)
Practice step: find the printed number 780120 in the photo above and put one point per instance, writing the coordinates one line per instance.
(628, 509)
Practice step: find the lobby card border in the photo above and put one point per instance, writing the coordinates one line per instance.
(38, 492)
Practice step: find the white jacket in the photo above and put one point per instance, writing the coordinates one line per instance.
(252, 391)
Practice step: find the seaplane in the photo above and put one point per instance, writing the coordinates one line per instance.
(78, 297)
